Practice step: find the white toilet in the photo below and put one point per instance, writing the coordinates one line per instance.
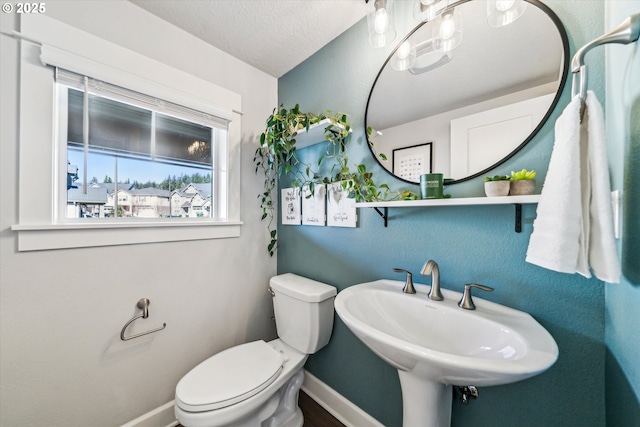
(256, 384)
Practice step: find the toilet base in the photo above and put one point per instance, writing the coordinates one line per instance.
(288, 414)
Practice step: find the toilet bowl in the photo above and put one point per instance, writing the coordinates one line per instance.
(256, 384)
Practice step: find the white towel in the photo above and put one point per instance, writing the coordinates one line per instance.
(554, 243)
(573, 230)
(603, 257)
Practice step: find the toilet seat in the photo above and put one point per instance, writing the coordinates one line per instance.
(229, 377)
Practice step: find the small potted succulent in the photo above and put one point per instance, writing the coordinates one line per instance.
(523, 182)
(497, 185)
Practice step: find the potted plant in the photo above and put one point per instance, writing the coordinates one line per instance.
(497, 185)
(522, 182)
(277, 156)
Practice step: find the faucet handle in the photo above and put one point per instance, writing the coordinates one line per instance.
(408, 286)
(466, 301)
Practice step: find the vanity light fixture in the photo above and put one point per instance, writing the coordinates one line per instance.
(504, 12)
(447, 30)
(405, 56)
(380, 22)
(428, 10)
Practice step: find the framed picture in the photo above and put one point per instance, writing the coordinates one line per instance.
(411, 162)
(290, 199)
(314, 206)
(341, 210)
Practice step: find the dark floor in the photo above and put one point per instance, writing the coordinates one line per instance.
(314, 414)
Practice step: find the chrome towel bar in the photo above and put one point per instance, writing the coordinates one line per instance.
(627, 32)
(143, 304)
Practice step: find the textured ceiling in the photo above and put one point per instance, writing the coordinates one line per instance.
(272, 35)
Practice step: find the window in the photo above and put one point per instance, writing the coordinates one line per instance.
(149, 118)
(136, 156)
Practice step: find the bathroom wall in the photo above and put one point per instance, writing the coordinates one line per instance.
(623, 300)
(61, 359)
(470, 244)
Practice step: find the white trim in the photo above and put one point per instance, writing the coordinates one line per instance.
(342, 409)
(337, 405)
(45, 237)
(124, 87)
(62, 40)
(139, 223)
(161, 416)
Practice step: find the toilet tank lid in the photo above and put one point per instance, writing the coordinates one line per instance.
(302, 288)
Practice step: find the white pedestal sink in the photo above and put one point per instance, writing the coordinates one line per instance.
(436, 344)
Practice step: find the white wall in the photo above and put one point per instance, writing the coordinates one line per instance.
(437, 128)
(61, 358)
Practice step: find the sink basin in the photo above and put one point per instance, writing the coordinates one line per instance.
(436, 344)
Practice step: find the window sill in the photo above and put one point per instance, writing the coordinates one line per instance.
(35, 237)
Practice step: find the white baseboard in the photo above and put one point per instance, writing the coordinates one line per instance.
(161, 416)
(337, 405)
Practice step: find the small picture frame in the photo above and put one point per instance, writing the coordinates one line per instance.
(314, 206)
(290, 200)
(409, 163)
(341, 210)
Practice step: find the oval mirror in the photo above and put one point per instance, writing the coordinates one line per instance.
(464, 112)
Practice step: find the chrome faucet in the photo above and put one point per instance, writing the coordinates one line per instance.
(431, 267)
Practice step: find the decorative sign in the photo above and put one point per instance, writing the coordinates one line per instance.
(313, 205)
(290, 199)
(341, 210)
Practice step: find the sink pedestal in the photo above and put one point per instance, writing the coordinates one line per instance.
(425, 402)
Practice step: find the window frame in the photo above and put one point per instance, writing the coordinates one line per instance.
(219, 144)
(39, 226)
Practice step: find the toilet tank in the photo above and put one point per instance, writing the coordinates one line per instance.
(303, 310)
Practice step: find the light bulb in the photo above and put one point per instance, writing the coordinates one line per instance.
(504, 5)
(447, 26)
(404, 50)
(381, 21)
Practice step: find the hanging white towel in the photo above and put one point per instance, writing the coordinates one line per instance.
(603, 257)
(555, 241)
(573, 230)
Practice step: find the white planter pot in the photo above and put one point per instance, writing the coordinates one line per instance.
(497, 188)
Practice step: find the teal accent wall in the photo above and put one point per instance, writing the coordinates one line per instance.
(623, 300)
(470, 243)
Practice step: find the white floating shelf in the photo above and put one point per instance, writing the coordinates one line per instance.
(517, 201)
(314, 136)
(461, 201)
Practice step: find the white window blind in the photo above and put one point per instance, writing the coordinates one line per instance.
(119, 80)
(117, 93)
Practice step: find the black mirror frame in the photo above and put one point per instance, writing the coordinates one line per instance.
(565, 72)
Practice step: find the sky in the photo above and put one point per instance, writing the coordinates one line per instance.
(128, 169)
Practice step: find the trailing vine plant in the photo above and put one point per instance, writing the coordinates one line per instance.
(277, 156)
